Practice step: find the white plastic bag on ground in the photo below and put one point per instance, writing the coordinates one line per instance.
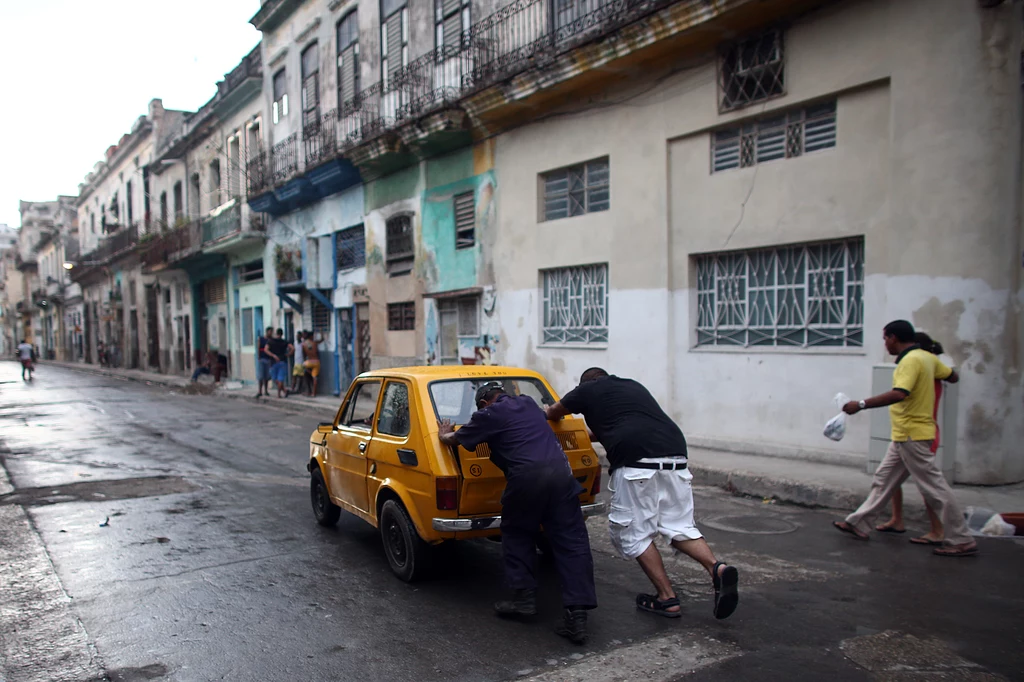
(997, 526)
(835, 428)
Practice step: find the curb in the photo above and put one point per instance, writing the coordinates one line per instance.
(294, 407)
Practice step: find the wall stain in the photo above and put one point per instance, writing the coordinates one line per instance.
(982, 426)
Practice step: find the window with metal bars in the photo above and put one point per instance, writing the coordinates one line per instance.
(348, 57)
(797, 296)
(311, 87)
(401, 252)
(251, 272)
(751, 71)
(350, 246)
(465, 219)
(575, 304)
(783, 136)
(451, 25)
(575, 190)
(280, 107)
(247, 327)
(321, 316)
(394, 38)
(401, 316)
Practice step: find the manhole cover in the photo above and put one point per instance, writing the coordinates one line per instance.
(751, 525)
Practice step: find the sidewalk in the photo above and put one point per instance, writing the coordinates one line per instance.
(811, 484)
(321, 404)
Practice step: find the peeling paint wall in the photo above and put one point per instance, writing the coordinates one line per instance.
(931, 181)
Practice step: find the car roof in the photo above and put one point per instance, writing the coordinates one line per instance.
(437, 372)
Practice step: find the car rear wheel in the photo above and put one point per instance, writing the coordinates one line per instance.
(406, 551)
(325, 511)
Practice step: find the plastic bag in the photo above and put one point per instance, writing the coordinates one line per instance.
(835, 428)
(997, 526)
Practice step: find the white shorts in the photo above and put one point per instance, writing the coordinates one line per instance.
(646, 502)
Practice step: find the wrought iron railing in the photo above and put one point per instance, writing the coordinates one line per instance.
(223, 224)
(257, 173)
(522, 35)
(284, 160)
(172, 246)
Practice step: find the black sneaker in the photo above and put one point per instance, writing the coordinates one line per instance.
(523, 603)
(574, 626)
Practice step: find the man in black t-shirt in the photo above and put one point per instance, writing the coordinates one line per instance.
(650, 485)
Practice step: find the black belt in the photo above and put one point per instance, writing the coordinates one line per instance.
(665, 466)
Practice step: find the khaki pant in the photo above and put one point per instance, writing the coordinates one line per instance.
(912, 458)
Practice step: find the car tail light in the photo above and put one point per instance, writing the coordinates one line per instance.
(447, 492)
(596, 488)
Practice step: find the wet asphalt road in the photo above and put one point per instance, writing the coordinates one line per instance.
(210, 566)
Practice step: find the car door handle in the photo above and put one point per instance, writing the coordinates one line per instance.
(362, 447)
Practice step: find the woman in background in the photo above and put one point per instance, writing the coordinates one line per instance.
(895, 524)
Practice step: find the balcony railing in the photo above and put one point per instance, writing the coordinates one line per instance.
(284, 159)
(522, 35)
(257, 173)
(172, 246)
(225, 223)
(120, 241)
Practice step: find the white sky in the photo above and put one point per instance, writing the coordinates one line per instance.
(75, 75)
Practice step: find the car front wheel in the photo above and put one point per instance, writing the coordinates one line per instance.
(406, 551)
(325, 511)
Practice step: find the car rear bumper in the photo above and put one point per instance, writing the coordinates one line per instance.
(491, 522)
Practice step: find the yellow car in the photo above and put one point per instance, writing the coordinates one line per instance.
(381, 460)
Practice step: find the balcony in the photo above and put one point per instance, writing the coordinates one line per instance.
(119, 244)
(222, 225)
(171, 247)
(527, 58)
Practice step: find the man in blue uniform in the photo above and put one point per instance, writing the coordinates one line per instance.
(540, 489)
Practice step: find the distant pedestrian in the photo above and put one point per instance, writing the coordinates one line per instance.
(895, 524)
(101, 353)
(278, 349)
(650, 485)
(216, 364)
(311, 352)
(27, 355)
(298, 369)
(911, 403)
(264, 361)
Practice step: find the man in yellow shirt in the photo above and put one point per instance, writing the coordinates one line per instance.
(911, 403)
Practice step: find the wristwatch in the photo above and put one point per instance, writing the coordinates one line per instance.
(862, 405)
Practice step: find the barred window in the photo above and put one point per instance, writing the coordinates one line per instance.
(321, 316)
(351, 248)
(799, 296)
(247, 328)
(575, 304)
(576, 190)
(401, 316)
(465, 219)
(752, 71)
(784, 136)
(401, 252)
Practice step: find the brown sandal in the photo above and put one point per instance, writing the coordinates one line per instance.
(957, 550)
(844, 527)
(925, 541)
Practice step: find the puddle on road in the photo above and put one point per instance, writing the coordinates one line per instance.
(99, 491)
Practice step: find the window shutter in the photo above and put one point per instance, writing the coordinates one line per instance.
(394, 27)
(465, 220)
(347, 65)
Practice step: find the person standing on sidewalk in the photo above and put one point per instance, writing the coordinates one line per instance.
(264, 361)
(279, 348)
(26, 353)
(650, 486)
(895, 524)
(298, 369)
(540, 490)
(311, 353)
(911, 403)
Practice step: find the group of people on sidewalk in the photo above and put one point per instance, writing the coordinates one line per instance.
(651, 486)
(273, 351)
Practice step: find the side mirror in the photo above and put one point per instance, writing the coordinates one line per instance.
(325, 427)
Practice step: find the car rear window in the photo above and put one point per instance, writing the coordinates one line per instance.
(454, 398)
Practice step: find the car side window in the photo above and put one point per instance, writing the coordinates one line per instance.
(394, 410)
(362, 406)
